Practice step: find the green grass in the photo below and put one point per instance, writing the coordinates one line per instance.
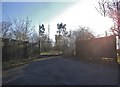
(118, 60)
(17, 62)
(13, 63)
(51, 53)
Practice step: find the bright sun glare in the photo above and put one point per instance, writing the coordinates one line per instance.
(82, 13)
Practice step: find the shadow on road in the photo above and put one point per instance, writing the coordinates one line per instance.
(64, 71)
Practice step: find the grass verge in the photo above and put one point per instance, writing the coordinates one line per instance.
(14, 63)
(118, 60)
(17, 62)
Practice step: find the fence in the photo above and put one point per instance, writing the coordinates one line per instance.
(97, 47)
(13, 49)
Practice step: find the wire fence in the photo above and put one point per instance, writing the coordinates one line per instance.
(14, 49)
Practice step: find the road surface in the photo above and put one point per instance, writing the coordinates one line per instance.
(61, 71)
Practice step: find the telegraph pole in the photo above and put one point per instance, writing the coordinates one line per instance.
(39, 40)
(48, 31)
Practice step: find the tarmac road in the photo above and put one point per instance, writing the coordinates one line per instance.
(61, 71)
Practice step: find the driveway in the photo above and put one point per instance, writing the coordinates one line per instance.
(61, 71)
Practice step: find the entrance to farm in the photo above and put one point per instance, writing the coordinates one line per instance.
(97, 49)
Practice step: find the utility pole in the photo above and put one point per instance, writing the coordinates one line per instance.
(39, 39)
(106, 33)
(48, 31)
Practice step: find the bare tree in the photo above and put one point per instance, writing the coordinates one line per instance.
(34, 37)
(6, 29)
(112, 10)
(46, 44)
(102, 7)
(82, 33)
(23, 29)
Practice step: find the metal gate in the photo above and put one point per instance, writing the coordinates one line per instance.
(97, 47)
